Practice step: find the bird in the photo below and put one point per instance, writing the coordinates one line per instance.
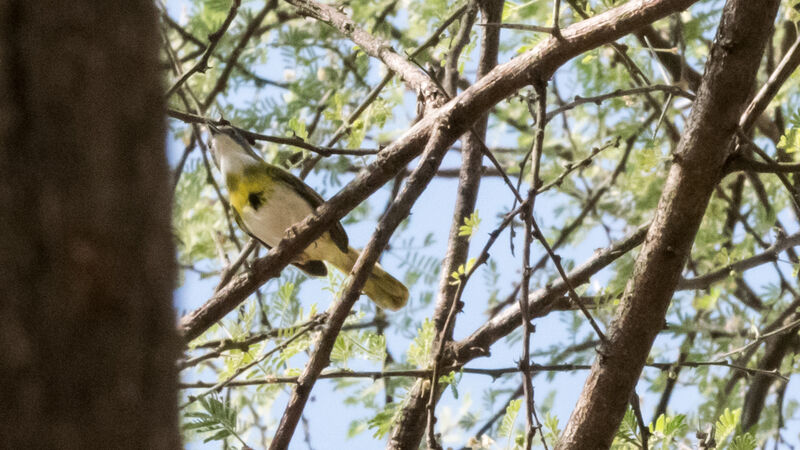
(268, 200)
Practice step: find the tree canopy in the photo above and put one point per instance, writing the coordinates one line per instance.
(602, 194)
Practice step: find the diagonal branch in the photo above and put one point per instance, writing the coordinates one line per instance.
(706, 143)
(213, 40)
(419, 81)
(233, 59)
(398, 211)
(768, 255)
(767, 92)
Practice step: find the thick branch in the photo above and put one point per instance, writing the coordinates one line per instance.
(741, 162)
(399, 210)
(721, 99)
(767, 92)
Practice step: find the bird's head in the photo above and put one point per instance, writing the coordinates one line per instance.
(228, 142)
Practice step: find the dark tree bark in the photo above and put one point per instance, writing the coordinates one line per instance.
(411, 426)
(725, 88)
(86, 255)
(775, 351)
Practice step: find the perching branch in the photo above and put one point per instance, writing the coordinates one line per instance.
(291, 141)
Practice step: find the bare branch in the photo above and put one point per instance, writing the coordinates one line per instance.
(233, 59)
(291, 141)
(767, 92)
(578, 100)
(213, 41)
(768, 255)
(377, 48)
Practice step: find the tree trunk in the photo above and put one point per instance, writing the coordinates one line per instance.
(86, 255)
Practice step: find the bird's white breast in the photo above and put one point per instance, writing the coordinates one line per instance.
(282, 209)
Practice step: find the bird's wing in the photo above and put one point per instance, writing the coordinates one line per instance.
(313, 268)
(310, 195)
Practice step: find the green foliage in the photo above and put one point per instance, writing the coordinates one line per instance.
(217, 417)
(470, 226)
(552, 431)
(196, 217)
(451, 380)
(298, 128)
(743, 442)
(383, 421)
(628, 430)
(707, 301)
(418, 353)
(506, 429)
(463, 269)
(364, 344)
(667, 428)
(727, 423)
(790, 142)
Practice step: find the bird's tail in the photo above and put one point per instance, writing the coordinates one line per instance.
(385, 290)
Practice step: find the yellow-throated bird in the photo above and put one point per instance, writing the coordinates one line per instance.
(269, 200)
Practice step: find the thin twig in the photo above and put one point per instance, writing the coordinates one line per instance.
(531, 421)
(597, 99)
(519, 26)
(761, 338)
(637, 411)
(213, 41)
(218, 386)
(229, 271)
(768, 255)
(493, 373)
(291, 141)
(237, 52)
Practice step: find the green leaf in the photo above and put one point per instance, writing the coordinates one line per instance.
(383, 421)
(357, 132)
(220, 435)
(419, 351)
(471, 225)
(218, 5)
(629, 428)
(462, 271)
(451, 379)
(218, 418)
(509, 418)
(551, 425)
(727, 422)
(743, 442)
(298, 127)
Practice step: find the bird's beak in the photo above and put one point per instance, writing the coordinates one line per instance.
(213, 129)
